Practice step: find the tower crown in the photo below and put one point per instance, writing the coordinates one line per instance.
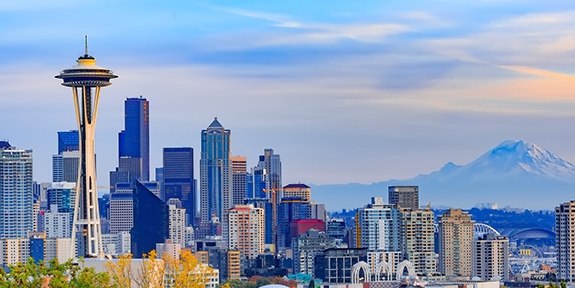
(86, 73)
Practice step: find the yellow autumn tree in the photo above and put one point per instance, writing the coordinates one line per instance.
(151, 272)
(121, 271)
(186, 272)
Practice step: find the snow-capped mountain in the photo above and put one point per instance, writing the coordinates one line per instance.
(509, 160)
(515, 173)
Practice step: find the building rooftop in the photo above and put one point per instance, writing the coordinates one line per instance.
(298, 185)
(4, 145)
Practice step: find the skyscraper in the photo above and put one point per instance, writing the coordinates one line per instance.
(239, 176)
(133, 143)
(564, 238)
(404, 196)
(418, 242)
(455, 239)
(68, 141)
(86, 79)
(268, 177)
(178, 176)
(16, 192)
(151, 220)
(246, 232)
(215, 174)
(378, 226)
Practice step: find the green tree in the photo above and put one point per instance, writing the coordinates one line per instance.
(54, 275)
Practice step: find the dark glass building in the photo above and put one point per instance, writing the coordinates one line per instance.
(151, 223)
(133, 143)
(178, 179)
(291, 208)
(68, 141)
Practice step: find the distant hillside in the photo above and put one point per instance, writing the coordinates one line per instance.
(514, 173)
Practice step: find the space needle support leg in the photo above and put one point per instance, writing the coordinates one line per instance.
(76, 215)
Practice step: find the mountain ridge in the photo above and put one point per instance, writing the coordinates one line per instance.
(514, 173)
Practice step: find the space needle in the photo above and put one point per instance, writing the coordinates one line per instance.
(86, 79)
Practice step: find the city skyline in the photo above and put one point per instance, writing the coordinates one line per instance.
(384, 82)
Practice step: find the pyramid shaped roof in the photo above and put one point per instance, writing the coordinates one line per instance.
(215, 124)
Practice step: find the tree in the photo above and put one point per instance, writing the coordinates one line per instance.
(186, 272)
(151, 273)
(54, 275)
(121, 271)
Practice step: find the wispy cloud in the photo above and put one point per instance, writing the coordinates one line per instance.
(321, 32)
(537, 72)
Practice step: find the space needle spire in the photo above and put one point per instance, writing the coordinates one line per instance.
(86, 79)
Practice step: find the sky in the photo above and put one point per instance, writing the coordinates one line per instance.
(344, 91)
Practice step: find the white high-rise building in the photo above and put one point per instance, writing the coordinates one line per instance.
(378, 227)
(56, 224)
(177, 220)
(16, 192)
(116, 244)
(491, 257)
(246, 230)
(565, 241)
(121, 212)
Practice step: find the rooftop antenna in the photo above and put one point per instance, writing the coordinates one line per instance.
(86, 44)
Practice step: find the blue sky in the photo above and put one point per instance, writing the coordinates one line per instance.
(344, 91)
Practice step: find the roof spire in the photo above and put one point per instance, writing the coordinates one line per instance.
(86, 45)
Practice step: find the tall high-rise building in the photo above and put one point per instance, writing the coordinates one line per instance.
(271, 165)
(68, 141)
(134, 140)
(491, 257)
(404, 196)
(86, 80)
(239, 176)
(178, 179)
(565, 240)
(215, 175)
(151, 221)
(267, 206)
(133, 144)
(16, 192)
(378, 226)
(177, 222)
(418, 242)
(246, 230)
(455, 239)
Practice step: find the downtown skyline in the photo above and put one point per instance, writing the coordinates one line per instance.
(344, 92)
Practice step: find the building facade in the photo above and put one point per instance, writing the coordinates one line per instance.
(246, 230)
(306, 246)
(378, 227)
(404, 196)
(215, 175)
(178, 179)
(16, 192)
(151, 223)
(418, 241)
(133, 144)
(298, 190)
(491, 257)
(455, 242)
(565, 240)
(239, 178)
